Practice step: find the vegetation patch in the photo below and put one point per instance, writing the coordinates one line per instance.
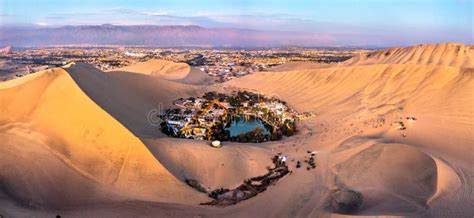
(251, 187)
(241, 117)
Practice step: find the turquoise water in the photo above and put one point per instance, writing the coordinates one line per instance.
(240, 126)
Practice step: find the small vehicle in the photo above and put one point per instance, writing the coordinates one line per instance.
(216, 144)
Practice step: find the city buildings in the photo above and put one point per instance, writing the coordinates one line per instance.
(222, 64)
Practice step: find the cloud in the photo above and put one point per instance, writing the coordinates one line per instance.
(155, 13)
(124, 16)
(127, 16)
(41, 23)
(120, 10)
(266, 21)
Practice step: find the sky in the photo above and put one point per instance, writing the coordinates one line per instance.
(391, 21)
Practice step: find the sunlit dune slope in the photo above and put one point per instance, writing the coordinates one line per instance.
(373, 88)
(159, 68)
(447, 54)
(169, 70)
(435, 87)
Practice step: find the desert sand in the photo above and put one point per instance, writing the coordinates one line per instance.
(168, 70)
(77, 142)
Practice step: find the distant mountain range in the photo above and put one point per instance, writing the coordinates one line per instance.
(152, 35)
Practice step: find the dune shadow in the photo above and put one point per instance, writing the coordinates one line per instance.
(384, 179)
(131, 97)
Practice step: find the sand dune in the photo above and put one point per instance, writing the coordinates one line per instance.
(196, 77)
(169, 70)
(298, 65)
(159, 68)
(352, 98)
(51, 119)
(88, 132)
(129, 97)
(226, 167)
(448, 54)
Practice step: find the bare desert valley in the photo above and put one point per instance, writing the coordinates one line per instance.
(392, 135)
